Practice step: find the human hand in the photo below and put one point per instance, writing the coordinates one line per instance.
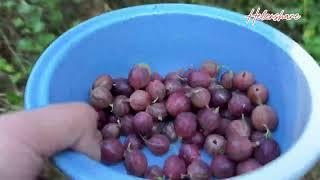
(28, 138)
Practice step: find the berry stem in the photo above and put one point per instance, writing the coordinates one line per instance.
(155, 100)
(268, 133)
(181, 78)
(184, 176)
(111, 105)
(129, 148)
(255, 144)
(224, 67)
(143, 138)
(118, 122)
(217, 110)
(160, 178)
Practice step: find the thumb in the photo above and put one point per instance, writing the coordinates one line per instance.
(32, 136)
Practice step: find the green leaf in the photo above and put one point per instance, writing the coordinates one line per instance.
(15, 78)
(76, 22)
(17, 22)
(29, 45)
(24, 8)
(45, 39)
(55, 17)
(77, 1)
(52, 4)
(37, 26)
(25, 31)
(313, 46)
(25, 44)
(291, 24)
(5, 67)
(35, 1)
(309, 32)
(14, 98)
(8, 4)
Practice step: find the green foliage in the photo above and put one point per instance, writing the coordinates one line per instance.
(27, 27)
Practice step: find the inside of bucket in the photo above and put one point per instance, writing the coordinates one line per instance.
(169, 42)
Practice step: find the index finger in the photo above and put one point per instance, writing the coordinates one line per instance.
(55, 128)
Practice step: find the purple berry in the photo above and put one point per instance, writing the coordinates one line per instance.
(239, 104)
(266, 151)
(177, 103)
(239, 148)
(186, 73)
(169, 131)
(176, 76)
(238, 128)
(158, 111)
(103, 120)
(187, 89)
(157, 127)
(133, 142)
(156, 76)
(223, 125)
(153, 173)
(139, 76)
(140, 100)
(209, 120)
(264, 117)
(247, 166)
(189, 152)
(142, 123)
(197, 139)
(121, 105)
(111, 151)
(227, 79)
(126, 126)
(258, 94)
(100, 97)
(112, 118)
(225, 113)
(257, 136)
(104, 81)
(135, 162)
(243, 80)
(200, 97)
(199, 170)
(173, 86)
(157, 90)
(220, 97)
(185, 124)
(158, 144)
(121, 87)
(222, 167)
(214, 85)
(199, 79)
(215, 144)
(174, 167)
(210, 67)
(111, 130)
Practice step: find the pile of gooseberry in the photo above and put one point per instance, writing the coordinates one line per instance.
(226, 114)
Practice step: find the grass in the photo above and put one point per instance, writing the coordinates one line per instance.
(27, 27)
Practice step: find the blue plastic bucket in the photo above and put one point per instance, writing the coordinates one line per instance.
(170, 36)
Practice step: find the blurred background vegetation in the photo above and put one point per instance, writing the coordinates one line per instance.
(27, 27)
